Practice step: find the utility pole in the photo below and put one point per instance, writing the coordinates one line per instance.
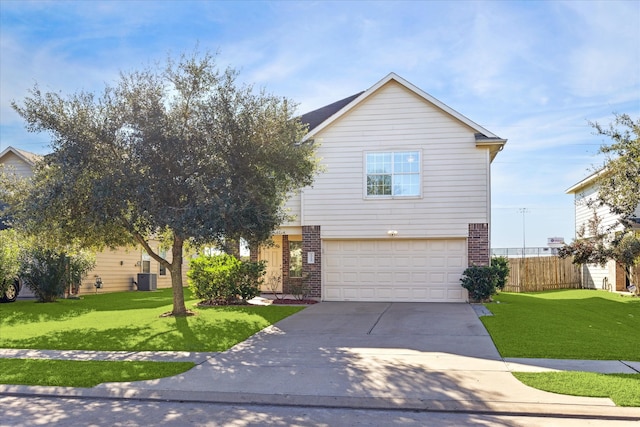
(523, 211)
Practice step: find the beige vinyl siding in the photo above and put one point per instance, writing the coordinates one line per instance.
(584, 213)
(118, 267)
(454, 174)
(593, 275)
(14, 163)
(115, 276)
(293, 207)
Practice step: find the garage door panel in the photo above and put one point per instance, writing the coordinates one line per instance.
(394, 270)
(418, 277)
(455, 294)
(402, 277)
(436, 261)
(455, 261)
(402, 261)
(401, 246)
(438, 294)
(437, 278)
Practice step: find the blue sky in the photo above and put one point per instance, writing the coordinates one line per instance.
(532, 72)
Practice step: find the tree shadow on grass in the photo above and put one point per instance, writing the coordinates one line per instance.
(23, 312)
(195, 333)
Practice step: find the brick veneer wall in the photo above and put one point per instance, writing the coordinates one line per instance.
(311, 243)
(285, 259)
(478, 244)
(286, 263)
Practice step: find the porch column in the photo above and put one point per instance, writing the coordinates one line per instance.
(312, 251)
(478, 251)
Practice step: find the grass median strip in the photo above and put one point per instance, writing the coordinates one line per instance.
(623, 389)
(85, 373)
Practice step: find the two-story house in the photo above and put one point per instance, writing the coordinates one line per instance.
(402, 206)
(612, 275)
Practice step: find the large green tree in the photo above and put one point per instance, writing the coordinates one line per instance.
(182, 151)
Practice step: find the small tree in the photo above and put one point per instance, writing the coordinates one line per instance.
(598, 247)
(500, 267)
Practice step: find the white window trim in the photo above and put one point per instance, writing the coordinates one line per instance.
(391, 197)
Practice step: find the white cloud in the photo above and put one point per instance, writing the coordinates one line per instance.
(605, 60)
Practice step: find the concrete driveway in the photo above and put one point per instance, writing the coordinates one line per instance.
(424, 356)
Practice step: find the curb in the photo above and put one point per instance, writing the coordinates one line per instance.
(533, 409)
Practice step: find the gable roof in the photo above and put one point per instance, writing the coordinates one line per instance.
(323, 117)
(316, 117)
(586, 182)
(26, 156)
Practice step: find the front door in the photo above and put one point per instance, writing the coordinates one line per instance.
(273, 255)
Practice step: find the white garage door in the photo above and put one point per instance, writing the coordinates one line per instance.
(394, 270)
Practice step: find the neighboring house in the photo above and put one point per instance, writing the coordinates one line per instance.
(611, 276)
(401, 207)
(117, 268)
(19, 162)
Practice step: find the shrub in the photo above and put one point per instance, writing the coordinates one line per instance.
(299, 288)
(42, 271)
(249, 278)
(480, 282)
(501, 269)
(9, 258)
(48, 272)
(223, 279)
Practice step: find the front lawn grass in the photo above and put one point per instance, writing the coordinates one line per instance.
(66, 373)
(570, 324)
(623, 389)
(566, 324)
(124, 321)
(130, 321)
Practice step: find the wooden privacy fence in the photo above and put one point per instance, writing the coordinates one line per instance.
(542, 274)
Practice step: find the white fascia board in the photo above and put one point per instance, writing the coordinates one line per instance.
(585, 182)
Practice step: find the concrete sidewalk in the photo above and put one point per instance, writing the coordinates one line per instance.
(412, 356)
(512, 364)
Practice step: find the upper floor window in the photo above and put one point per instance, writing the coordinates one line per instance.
(393, 173)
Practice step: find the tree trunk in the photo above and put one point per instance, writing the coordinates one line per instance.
(179, 309)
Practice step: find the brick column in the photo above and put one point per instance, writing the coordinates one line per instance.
(311, 243)
(285, 264)
(478, 251)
